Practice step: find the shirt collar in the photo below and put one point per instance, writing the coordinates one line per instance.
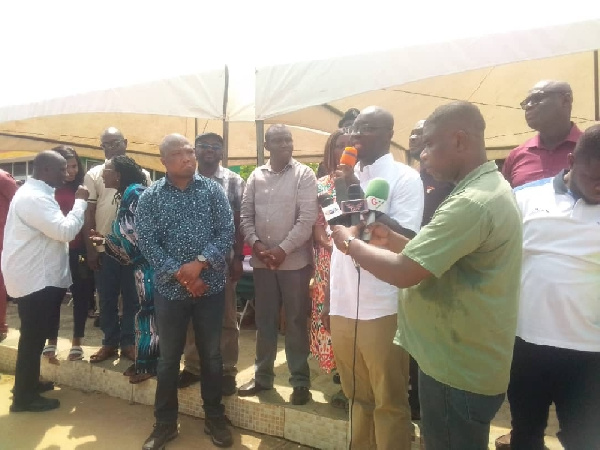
(560, 187)
(220, 173)
(268, 167)
(382, 161)
(168, 181)
(40, 185)
(573, 137)
(483, 169)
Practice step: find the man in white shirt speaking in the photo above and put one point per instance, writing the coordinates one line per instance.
(35, 265)
(374, 371)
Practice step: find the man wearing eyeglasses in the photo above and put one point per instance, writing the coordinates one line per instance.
(548, 111)
(112, 278)
(209, 153)
(363, 310)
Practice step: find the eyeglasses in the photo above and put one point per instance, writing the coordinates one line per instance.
(214, 147)
(356, 130)
(112, 144)
(538, 97)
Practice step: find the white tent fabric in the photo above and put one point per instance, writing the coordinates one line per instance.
(493, 70)
(71, 69)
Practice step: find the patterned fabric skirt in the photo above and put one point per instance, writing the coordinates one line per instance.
(320, 339)
(146, 336)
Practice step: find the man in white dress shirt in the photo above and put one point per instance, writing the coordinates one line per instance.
(372, 369)
(35, 264)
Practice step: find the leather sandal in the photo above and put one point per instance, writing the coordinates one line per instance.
(139, 378)
(103, 354)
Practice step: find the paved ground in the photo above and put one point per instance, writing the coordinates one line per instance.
(96, 421)
(106, 433)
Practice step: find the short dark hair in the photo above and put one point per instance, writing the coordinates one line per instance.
(130, 171)
(588, 145)
(207, 135)
(351, 114)
(68, 152)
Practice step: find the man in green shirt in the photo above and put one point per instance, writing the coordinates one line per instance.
(457, 314)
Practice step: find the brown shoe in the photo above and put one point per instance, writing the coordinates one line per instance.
(503, 442)
(128, 352)
(103, 354)
(139, 378)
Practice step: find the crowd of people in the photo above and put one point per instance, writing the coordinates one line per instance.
(475, 282)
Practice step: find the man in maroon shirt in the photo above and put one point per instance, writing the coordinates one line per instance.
(548, 111)
(8, 187)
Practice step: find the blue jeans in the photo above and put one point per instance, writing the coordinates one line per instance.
(172, 318)
(113, 279)
(453, 419)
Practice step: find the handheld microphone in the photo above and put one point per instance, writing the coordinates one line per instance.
(377, 193)
(331, 210)
(355, 205)
(348, 158)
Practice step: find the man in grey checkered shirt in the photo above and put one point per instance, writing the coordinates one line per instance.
(209, 152)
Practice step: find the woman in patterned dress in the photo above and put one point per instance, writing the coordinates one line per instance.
(320, 338)
(125, 175)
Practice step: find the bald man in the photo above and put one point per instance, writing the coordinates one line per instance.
(380, 409)
(112, 278)
(458, 314)
(278, 212)
(185, 230)
(35, 264)
(548, 111)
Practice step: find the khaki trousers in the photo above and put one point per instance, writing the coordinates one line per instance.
(229, 338)
(380, 410)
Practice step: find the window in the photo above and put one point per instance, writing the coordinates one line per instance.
(20, 169)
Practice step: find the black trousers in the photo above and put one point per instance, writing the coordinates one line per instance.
(34, 311)
(541, 375)
(82, 290)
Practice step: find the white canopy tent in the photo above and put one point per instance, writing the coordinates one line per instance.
(78, 68)
(73, 68)
(492, 64)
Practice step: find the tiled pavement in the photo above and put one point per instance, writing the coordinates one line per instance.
(316, 424)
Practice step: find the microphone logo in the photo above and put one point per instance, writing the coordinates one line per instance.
(375, 203)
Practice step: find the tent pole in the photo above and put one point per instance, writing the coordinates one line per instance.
(225, 159)
(596, 87)
(260, 142)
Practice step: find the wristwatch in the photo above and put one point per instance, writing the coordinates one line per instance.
(347, 244)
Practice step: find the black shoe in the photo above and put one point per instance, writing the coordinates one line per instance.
(219, 432)
(39, 404)
(300, 396)
(161, 434)
(251, 388)
(229, 387)
(336, 378)
(43, 386)
(186, 379)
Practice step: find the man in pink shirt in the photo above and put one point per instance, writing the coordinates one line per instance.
(548, 111)
(8, 187)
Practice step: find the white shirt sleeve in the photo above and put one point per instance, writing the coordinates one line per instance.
(406, 201)
(43, 213)
(90, 184)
